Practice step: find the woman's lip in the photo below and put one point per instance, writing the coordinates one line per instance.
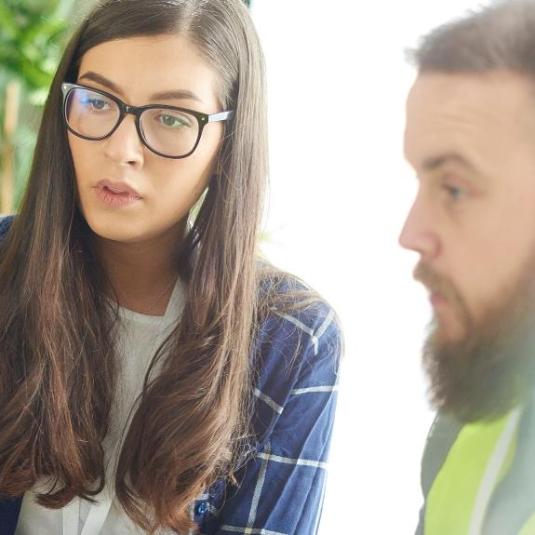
(117, 187)
(116, 199)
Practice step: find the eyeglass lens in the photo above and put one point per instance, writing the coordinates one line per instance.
(167, 131)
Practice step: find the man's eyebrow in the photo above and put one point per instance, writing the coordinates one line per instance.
(162, 95)
(435, 162)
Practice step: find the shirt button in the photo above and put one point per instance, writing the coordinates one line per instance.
(202, 508)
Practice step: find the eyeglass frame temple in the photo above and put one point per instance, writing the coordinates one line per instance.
(220, 116)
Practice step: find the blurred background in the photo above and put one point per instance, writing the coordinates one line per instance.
(32, 33)
(340, 190)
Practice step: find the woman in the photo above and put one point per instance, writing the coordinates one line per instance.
(155, 375)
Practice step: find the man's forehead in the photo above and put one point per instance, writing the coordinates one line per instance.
(491, 94)
(446, 112)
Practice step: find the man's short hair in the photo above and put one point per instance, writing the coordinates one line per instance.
(500, 36)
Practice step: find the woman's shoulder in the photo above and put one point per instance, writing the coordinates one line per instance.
(298, 348)
(293, 312)
(5, 224)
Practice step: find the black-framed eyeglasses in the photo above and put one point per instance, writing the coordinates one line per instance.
(168, 131)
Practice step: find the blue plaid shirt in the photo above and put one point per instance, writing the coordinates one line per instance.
(281, 486)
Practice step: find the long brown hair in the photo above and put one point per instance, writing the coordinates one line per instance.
(57, 361)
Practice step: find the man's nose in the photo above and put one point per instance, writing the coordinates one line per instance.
(418, 233)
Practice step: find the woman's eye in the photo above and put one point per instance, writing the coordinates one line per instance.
(172, 121)
(96, 104)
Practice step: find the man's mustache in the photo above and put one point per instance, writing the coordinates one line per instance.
(435, 282)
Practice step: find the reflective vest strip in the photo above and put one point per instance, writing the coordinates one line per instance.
(492, 473)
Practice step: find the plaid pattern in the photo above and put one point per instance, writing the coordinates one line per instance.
(282, 480)
(281, 487)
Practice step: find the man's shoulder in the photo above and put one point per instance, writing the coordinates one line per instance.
(440, 439)
(442, 435)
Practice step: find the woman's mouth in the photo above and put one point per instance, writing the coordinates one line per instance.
(116, 194)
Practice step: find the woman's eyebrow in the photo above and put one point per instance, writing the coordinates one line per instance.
(162, 95)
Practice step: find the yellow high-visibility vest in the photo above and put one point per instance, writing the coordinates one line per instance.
(477, 462)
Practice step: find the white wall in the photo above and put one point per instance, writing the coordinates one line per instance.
(340, 190)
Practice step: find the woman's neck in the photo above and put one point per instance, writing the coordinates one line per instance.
(142, 274)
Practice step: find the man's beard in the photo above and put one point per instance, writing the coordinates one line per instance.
(491, 368)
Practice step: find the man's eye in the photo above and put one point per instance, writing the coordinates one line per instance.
(454, 192)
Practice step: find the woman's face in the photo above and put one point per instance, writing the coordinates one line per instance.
(139, 71)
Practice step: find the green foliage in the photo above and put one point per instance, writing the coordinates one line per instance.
(30, 39)
(32, 34)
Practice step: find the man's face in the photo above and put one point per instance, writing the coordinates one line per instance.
(471, 140)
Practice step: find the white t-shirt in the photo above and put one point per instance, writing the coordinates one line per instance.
(139, 336)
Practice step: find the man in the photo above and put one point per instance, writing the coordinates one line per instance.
(470, 137)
